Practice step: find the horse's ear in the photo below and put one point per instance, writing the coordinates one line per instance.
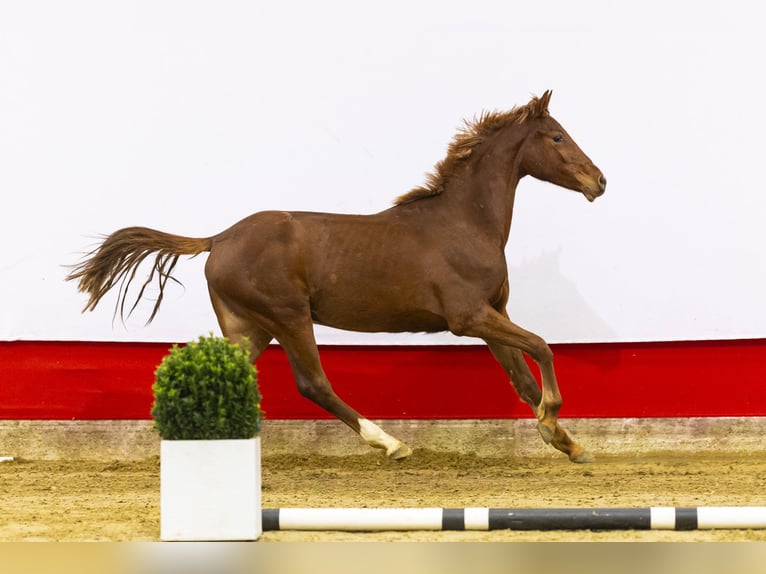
(541, 104)
(546, 98)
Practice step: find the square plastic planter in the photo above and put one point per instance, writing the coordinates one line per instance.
(210, 490)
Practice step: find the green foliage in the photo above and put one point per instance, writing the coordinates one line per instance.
(207, 390)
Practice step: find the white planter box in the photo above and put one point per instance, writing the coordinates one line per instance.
(210, 489)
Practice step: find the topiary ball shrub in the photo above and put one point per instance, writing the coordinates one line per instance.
(207, 390)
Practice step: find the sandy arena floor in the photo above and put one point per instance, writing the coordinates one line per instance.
(83, 500)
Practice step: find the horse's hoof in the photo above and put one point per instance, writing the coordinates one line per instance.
(546, 432)
(583, 457)
(400, 452)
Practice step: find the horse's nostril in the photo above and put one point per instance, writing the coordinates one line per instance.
(602, 182)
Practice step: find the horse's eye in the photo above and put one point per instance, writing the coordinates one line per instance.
(558, 139)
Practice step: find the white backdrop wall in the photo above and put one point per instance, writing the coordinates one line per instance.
(186, 116)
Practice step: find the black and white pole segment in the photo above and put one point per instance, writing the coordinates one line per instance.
(379, 519)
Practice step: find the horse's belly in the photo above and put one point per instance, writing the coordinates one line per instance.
(370, 321)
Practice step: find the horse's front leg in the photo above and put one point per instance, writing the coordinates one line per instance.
(496, 328)
(512, 360)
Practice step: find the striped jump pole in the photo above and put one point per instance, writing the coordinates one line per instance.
(379, 519)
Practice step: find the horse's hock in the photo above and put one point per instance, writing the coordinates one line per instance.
(511, 438)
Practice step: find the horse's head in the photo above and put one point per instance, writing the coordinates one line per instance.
(550, 154)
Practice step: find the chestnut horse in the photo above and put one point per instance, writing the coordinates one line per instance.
(435, 261)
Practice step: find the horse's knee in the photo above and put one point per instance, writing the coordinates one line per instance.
(540, 351)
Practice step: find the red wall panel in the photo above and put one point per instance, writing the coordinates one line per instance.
(88, 380)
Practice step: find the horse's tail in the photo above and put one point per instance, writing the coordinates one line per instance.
(117, 259)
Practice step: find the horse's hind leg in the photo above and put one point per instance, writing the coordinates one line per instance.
(302, 352)
(512, 360)
(235, 327)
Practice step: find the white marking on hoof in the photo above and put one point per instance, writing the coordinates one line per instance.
(400, 453)
(375, 437)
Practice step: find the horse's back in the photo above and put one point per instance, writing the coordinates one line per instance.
(357, 272)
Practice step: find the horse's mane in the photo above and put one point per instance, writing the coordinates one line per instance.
(472, 134)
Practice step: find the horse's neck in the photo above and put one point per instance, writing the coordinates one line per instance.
(502, 196)
(487, 195)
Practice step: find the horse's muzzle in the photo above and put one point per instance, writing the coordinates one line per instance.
(591, 193)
